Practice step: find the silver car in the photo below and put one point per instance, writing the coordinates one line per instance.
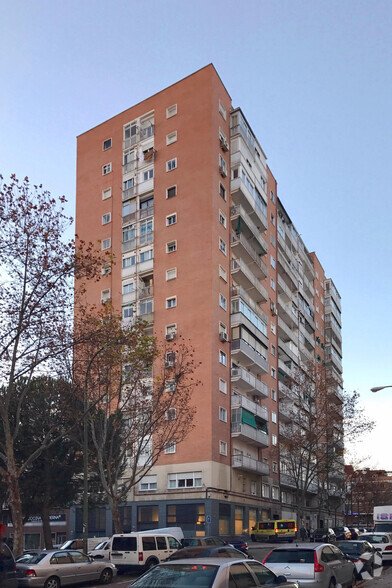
(211, 572)
(54, 568)
(312, 566)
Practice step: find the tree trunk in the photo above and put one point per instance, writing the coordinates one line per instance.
(15, 504)
(115, 515)
(46, 527)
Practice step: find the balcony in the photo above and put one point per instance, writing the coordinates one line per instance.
(287, 313)
(305, 354)
(284, 291)
(242, 196)
(246, 252)
(288, 481)
(239, 401)
(285, 413)
(248, 356)
(309, 341)
(249, 464)
(330, 324)
(285, 333)
(247, 382)
(239, 292)
(129, 166)
(284, 369)
(249, 434)
(146, 291)
(241, 219)
(289, 271)
(138, 215)
(245, 278)
(237, 318)
(286, 352)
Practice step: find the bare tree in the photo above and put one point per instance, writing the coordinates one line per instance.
(36, 271)
(133, 416)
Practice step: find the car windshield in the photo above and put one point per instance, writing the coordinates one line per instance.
(300, 556)
(375, 538)
(190, 542)
(30, 557)
(350, 547)
(180, 576)
(101, 545)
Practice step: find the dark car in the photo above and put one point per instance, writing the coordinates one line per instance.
(355, 533)
(325, 535)
(238, 541)
(207, 541)
(342, 533)
(8, 577)
(204, 551)
(365, 557)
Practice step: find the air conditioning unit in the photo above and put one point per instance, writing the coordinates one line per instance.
(224, 144)
(105, 270)
(223, 337)
(170, 336)
(222, 171)
(170, 387)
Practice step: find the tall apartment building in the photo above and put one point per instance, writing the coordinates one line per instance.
(177, 187)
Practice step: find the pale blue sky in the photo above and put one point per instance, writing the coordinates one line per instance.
(314, 81)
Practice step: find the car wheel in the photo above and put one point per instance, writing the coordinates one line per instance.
(151, 563)
(106, 576)
(52, 582)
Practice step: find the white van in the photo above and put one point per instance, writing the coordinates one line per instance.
(101, 551)
(78, 543)
(145, 549)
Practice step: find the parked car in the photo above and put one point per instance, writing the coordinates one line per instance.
(324, 535)
(364, 530)
(382, 542)
(238, 541)
(101, 551)
(355, 532)
(210, 541)
(8, 577)
(204, 551)
(53, 569)
(342, 533)
(211, 573)
(312, 566)
(78, 543)
(132, 551)
(363, 555)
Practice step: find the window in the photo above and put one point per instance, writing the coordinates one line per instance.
(265, 491)
(274, 440)
(171, 329)
(275, 492)
(105, 295)
(222, 245)
(222, 218)
(171, 246)
(275, 467)
(272, 196)
(148, 175)
(222, 414)
(128, 261)
(170, 447)
(273, 285)
(273, 350)
(222, 273)
(273, 394)
(146, 255)
(106, 218)
(171, 302)
(106, 193)
(222, 110)
(185, 480)
(171, 414)
(273, 263)
(128, 184)
(171, 164)
(127, 312)
(222, 447)
(106, 244)
(273, 241)
(222, 386)
(222, 357)
(222, 302)
(172, 191)
(222, 191)
(107, 144)
(106, 169)
(222, 166)
(171, 111)
(273, 328)
(148, 483)
(106, 269)
(128, 288)
(171, 138)
(171, 219)
(273, 417)
(273, 372)
(170, 385)
(171, 273)
(272, 217)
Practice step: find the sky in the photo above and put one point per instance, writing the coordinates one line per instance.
(314, 81)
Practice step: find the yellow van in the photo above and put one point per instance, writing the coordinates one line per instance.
(279, 530)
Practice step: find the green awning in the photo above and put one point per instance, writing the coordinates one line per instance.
(248, 418)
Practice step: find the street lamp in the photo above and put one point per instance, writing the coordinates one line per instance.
(378, 388)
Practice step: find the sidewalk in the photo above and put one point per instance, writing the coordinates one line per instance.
(384, 581)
